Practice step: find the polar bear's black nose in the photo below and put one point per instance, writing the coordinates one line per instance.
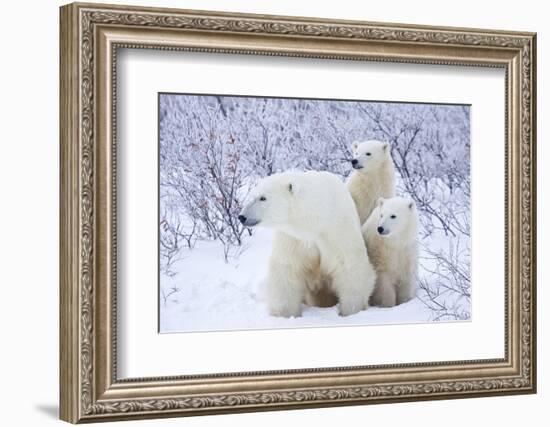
(242, 218)
(354, 162)
(380, 230)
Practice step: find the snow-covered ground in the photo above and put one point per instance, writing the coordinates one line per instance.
(213, 295)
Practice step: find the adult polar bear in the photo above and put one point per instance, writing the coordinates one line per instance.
(318, 241)
(373, 177)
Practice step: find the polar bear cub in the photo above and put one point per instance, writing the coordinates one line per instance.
(391, 237)
(318, 241)
(373, 177)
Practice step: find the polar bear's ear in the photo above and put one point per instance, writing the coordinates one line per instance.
(291, 188)
(380, 202)
(354, 145)
(410, 203)
(385, 146)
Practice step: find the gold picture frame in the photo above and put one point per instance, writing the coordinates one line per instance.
(90, 36)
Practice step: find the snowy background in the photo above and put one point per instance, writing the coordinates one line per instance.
(213, 149)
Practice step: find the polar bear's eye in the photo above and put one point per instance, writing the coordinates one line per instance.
(262, 199)
(368, 154)
(393, 217)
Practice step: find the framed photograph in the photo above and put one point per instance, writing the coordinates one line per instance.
(267, 212)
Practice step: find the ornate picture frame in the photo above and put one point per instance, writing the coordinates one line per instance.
(90, 37)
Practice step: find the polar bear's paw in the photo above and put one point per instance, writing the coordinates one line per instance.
(349, 306)
(286, 310)
(383, 295)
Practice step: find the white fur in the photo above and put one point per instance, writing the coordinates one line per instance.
(317, 246)
(393, 250)
(373, 177)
